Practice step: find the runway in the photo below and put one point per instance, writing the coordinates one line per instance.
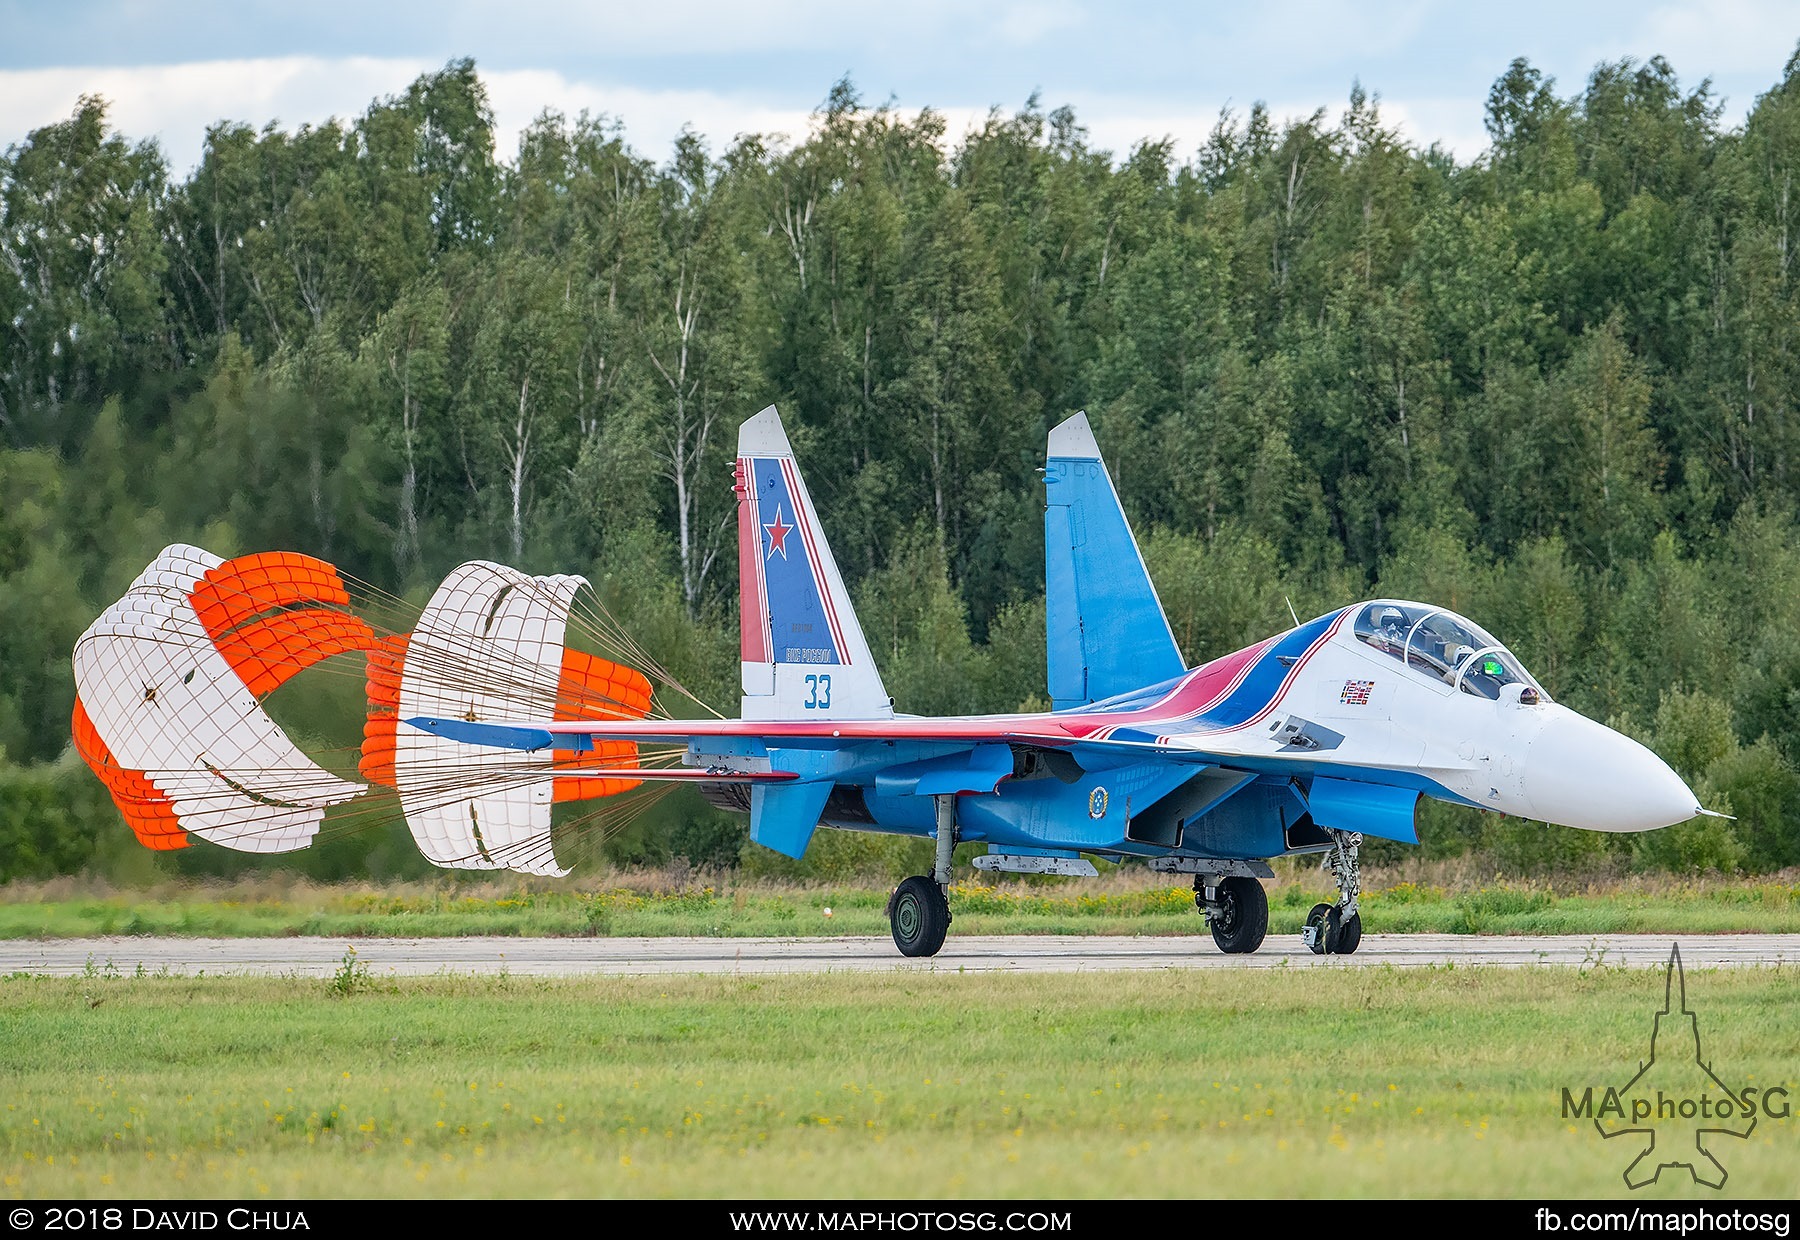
(320, 957)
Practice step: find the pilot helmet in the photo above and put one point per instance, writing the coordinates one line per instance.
(1391, 616)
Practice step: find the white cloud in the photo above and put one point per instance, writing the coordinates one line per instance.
(705, 27)
(652, 118)
(1118, 124)
(1324, 34)
(1717, 37)
(1030, 23)
(176, 104)
(1458, 124)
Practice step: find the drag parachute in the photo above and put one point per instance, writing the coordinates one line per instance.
(170, 681)
(489, 647)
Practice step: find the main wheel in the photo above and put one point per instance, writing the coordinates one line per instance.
(1342, 937)
(1242, 919)
(1315, 922)
(919, 915)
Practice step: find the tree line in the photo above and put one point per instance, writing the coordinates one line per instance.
(1553, 386)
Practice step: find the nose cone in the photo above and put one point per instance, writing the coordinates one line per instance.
(1579, 773)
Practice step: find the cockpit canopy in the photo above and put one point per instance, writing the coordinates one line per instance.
(1443, 645)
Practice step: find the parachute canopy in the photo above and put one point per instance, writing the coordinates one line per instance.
(490, 646)
(170, 681)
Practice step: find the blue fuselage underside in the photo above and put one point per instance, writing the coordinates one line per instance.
(1093, 813)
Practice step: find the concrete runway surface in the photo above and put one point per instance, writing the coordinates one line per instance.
(320, 957)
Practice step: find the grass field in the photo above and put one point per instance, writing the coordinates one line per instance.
(1128, 902)
(1317, 1082)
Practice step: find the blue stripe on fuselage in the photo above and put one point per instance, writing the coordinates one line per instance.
(1256, 692)
(799, 629)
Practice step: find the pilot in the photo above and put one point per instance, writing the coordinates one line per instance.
(1391, 625)
(1455, 655)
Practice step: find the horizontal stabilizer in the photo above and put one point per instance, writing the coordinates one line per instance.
(686, 774)
(498, 735)
(531, 740)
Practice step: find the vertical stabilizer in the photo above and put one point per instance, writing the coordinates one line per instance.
(1105, 626)
(803, 652)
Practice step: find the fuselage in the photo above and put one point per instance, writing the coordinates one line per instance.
(1430, 706)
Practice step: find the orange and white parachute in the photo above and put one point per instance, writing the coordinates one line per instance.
(168, 710)
(490, 646)
(171, 678)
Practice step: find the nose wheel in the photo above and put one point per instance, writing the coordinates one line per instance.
(1329, 932)
(1336, 929)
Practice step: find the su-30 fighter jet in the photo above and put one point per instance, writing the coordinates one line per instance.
(1305, 742)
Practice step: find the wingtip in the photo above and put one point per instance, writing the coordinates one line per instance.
(1074, 439)
(764, 435)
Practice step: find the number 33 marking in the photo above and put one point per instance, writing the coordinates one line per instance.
(821, 693)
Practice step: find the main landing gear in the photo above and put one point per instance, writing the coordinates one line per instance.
(919, 909)
(1230, 895)
(1336, 929)
(1236, 909)
(919, 913)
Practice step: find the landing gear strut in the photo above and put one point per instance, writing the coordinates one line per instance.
(919, 909)
(1336, 929)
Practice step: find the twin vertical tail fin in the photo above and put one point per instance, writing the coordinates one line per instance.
(1106, 629)
(803, 652)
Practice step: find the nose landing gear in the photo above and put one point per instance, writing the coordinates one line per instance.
(1336, 929)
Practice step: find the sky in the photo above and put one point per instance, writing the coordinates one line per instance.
(1130, 70)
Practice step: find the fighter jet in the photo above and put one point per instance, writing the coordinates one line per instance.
(1304, 743)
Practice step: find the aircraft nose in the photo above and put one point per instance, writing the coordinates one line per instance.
(1579, 773)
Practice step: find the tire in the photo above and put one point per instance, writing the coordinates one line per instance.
(1342, 937)
(919, 916)
(1242, 920)
(1316, 920)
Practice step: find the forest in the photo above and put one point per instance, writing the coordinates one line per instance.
(1555, 387)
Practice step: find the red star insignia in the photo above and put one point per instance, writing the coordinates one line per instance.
(778, 533)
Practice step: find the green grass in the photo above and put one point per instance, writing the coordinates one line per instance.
(1314, 1082)
(1120, 904)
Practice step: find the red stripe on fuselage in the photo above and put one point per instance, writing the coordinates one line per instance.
(1203, 683)
(1072, 726)
(1287, 682)
(1197, 692)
